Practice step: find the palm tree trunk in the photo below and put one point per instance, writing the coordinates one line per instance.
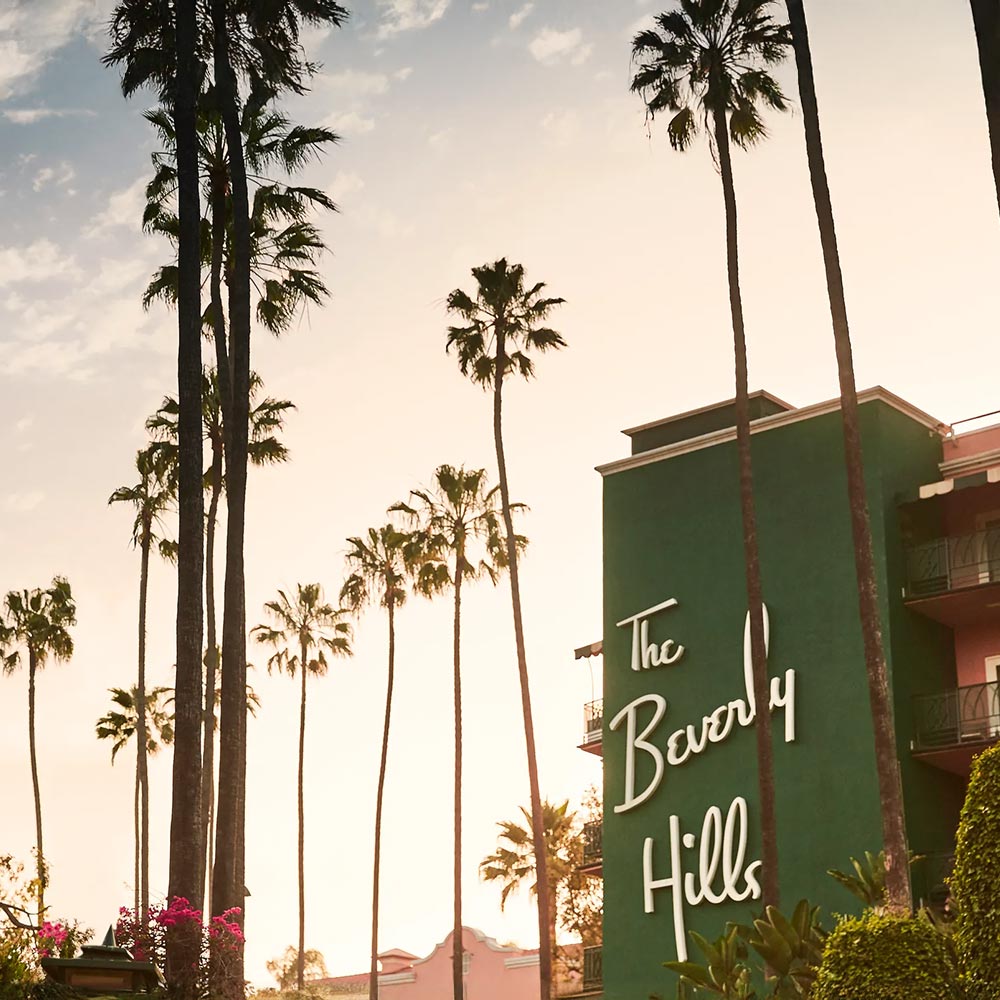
(373, 973)
(138, 835)
(222, 372)
(986, 16)
(457, 958)
(185, 826)
(537, 820)
(886, 757)
(301, 960)
(751, 556)
(142, 741)
(40, 866)
(211, 668)
(227, 888)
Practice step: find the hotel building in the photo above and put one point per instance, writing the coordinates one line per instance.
(679, 848)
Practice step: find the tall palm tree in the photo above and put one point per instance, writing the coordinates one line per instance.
(267, 418)
(514, 863)
(379, 564)
(151, 496)
(458, 522)
(37, 622)
(707, 65)
(986, 18)
(886, 756)
(119, 725)
(306, 629)
(504, 323)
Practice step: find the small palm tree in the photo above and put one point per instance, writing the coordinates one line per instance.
(120, 725)
(380, 565)
(707, 65)
(306, 629)
(267, 417)
(897, 870)
(503, 324)
(37, 622)
(514, 863)
(458, 521)
(151, 497)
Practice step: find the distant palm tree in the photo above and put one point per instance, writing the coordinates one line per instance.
(380, 565)
(267, 418)
(886, 754)
(119, 726)
(986, 18)
(514, 863)
(458, 522)
(306, 629)
(37, 622)
(504, 323)
(707, 65)
(151, 496)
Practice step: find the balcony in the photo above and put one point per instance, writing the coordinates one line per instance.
(593, 970)
(593, 725)
(951, 728)
(593, 849)
(955, 580)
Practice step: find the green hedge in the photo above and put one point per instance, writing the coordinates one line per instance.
(882, 957)
(975, 883)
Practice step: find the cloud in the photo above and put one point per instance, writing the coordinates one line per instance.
(28, 116)
(550, 46)
(349, 122)
(34, 30)
(20, 426)
(403, 73)
(124, 209)
(21, 503)
(409, 15)
(562, 127)
(518, 17)
(344, 184)
(59, 175)
(480, 6)
(353, 83)
(39, 261)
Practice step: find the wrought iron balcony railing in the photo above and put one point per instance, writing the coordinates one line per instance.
(964, 715)
(593, 721)
(593, 972)
(953, 563)
(593, 847)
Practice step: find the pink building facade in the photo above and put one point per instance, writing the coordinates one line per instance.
(491, 972)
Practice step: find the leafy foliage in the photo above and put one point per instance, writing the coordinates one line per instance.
(868, 881)
(789, 947)
(38, 620)
(504, 319)
(119, 725)
(381, 563)
(883, 956)
(709, 58)
(975, 882)
(285, 967)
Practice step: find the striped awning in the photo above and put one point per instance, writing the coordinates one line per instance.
(594, 649)
(981, 478)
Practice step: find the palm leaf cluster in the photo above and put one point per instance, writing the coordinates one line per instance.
(711, 57)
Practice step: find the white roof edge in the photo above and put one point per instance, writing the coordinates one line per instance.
(762, 424)
(759, 393)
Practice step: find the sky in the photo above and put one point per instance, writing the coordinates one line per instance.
(470, 131)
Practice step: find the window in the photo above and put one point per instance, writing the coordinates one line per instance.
(466, 962)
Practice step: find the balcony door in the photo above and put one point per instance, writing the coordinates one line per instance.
(988, 545)
(992, 693)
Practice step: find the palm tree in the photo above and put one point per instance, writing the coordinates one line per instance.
(37, 622)
(120, 725)
(380, 564)
(514, 862)
(986, 18)
(459, 524)
(306, 629)
(151, 496)
(159, 45)
(886, 757)
(504, 323)
(267, 418)
(706, 64)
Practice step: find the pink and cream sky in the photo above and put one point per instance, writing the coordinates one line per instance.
(471, 130)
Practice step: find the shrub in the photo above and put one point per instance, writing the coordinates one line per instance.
(975, 883)
(879, 956)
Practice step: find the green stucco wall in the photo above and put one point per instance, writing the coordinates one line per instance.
(672, 530)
